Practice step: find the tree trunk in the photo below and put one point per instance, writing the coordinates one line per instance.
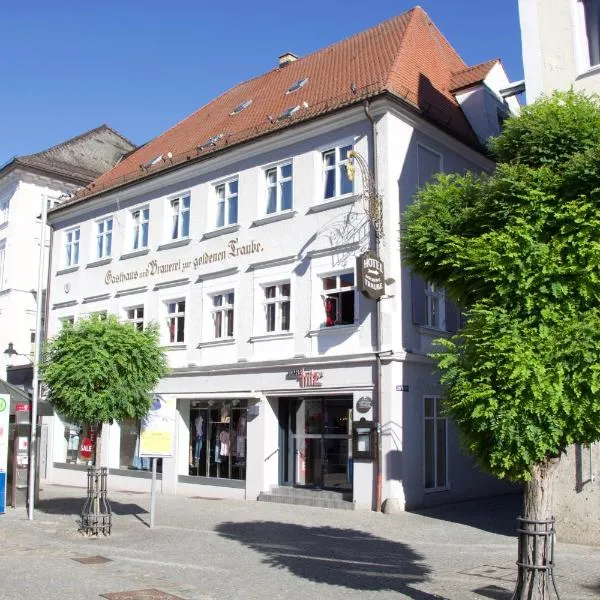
(537, 549)
(98, 445)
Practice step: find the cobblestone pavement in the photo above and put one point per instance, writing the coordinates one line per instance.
(204, 549)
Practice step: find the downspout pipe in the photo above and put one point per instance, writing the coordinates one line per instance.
(375, 242)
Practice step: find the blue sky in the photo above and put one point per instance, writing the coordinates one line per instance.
(142, 66)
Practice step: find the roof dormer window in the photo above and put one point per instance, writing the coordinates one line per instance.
(297, 85)
(288, 113)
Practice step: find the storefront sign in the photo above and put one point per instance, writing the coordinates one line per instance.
(85, 448)
(232, 249)
(158, 429)
(370, 275)
(306, 378)
(364, 404)
(22, 407)
(4, 418)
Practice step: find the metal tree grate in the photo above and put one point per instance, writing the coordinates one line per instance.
(96, 515)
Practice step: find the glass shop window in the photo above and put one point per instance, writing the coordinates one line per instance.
(74, 434)
(129, 455)
(218, 440)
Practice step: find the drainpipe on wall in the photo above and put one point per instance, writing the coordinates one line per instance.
(379, 464)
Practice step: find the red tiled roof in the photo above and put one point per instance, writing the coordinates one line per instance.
(472, 75)
(406, 56)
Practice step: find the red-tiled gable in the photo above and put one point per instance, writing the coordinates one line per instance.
(406, 56)
(472, 75)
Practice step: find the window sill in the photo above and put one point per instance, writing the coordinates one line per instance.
(589, 72)
(174, 347)
(67, 270)
(99, 263)
(437, 490)
(134, 253)
(175, 244)
(222, 342)
(266, 337)
(428, 330)
(332, 329)
(333, 203)
(220, 231)
(280, 216)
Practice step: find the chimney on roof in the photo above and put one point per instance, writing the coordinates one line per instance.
(286, 58)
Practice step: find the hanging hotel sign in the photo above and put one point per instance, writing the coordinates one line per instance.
(306, 377)
(232, 249)
(370, 275)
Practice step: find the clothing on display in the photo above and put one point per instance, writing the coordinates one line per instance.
(224, 439)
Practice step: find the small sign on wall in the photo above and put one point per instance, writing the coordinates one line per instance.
(402, 387)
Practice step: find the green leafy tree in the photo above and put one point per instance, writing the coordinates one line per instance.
(100, 370)
(520, 250)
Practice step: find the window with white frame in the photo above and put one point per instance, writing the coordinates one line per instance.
(435, 444)
(72, 247)
(140, 219)
(335, 175)
(279, 188)
(135, 315)
(4, 205)
(588, 32)
(435, 301)
(222, 315)
(2, 262)
(277, 307)
(338, 296)
(226, 203)
(66, 321)
(104, 230)
(176, 321)
(180, 217)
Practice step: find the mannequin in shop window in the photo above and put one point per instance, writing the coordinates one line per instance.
(240, 439)
(198, 438)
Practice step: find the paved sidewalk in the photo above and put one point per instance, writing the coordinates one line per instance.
(204, 549)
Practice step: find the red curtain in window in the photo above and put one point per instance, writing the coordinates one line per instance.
(329, 312)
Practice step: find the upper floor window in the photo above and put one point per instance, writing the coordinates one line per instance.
(72, 247)
(67, 321)
(180, 217)
(104, 238)
(4, 205)
(140, 218)
(335, 175)
(277, 307)
(279, 188)
(435, 301)
(435, 444)
(135, 315)
(176, 321)
(338, 297)
(2, 262)
(227, 203)
(589, 31)
(222, 315)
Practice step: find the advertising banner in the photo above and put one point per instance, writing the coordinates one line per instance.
(4, 413)
(157, 436)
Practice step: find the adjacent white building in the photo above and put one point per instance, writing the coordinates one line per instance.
(238, 230)
(561, 50)
(25, 183)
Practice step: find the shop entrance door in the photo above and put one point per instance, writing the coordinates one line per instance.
(317, 449)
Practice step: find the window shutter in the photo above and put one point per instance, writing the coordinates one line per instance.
(417, 287)
(451, 315)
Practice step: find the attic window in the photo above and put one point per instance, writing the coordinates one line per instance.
(211, 141)
(240, 107)
(288, 113)
(297, 85)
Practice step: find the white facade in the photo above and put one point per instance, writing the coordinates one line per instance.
(21, 200)
(325, 352)
(561, 45)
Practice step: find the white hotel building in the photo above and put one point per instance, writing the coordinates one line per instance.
(237, 231)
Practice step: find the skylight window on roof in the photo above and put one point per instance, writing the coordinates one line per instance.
(288, 113)
(154, 161)
(297, 85)
(211, 141)
(240, 107)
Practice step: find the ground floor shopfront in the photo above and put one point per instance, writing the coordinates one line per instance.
(242, 431)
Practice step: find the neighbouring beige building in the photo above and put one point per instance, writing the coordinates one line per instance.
(561, 49)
